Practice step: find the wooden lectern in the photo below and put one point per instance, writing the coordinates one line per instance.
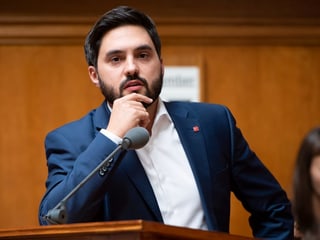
(120, 230)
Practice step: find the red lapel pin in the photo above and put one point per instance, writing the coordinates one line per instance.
(196, 129)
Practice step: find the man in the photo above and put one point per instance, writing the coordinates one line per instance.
(184, 175)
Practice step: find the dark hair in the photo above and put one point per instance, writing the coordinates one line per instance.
(114, 18)
(302, 185)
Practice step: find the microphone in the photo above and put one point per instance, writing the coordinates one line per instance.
(135, 138)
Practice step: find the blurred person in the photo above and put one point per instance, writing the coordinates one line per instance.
(306, 187)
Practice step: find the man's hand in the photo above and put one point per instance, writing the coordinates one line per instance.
(128, 112)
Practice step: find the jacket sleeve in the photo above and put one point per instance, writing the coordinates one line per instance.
(70, 160)
(258, 190)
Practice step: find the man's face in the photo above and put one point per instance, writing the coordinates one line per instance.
(127, 63)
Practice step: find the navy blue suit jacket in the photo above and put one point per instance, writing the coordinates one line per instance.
(220, 158)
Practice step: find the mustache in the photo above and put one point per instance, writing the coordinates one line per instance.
(133, 77)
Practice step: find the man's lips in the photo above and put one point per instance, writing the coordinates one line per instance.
(133, 85)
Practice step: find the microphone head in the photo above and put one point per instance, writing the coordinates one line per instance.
(135, 138)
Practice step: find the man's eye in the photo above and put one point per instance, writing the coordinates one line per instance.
(115, 59)
(143, 55)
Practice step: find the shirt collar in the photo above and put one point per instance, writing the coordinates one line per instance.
(161, 112)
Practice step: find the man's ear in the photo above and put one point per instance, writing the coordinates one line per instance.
(93, 74)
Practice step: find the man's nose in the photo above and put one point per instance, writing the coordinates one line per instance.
(131, 67)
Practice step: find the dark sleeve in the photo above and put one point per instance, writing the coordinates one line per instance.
(259, 191)
(70, 160)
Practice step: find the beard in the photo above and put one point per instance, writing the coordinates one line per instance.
(152, 91)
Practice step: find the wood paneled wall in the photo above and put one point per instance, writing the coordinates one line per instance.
(265, 71)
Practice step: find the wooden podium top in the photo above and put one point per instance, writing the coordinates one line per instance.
(120, 230)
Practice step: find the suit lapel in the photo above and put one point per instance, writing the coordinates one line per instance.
(191, 133)
(101, 117)
(191, 137)
(138, 177)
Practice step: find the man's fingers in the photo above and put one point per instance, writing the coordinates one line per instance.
(138, 98)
